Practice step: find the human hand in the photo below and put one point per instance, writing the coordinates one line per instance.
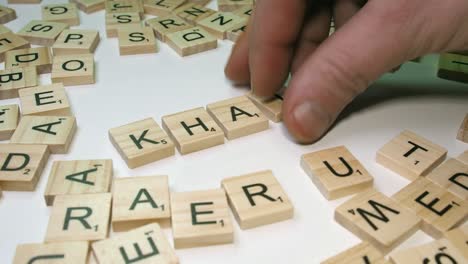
(329, 72)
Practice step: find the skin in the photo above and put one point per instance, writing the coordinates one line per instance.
(291, 36)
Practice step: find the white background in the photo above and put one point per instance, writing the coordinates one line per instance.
(131, 88)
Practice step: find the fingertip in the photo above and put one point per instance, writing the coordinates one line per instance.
(237, 66)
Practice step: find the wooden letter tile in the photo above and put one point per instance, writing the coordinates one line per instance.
(410, 155)
(3, 29)
(6, 14)
(271, 108)
(336, 172)
(9, 118)
(73, 69)
(83, 217)
(257, 199)
(147, 244)
(65, 252)
(38, 57)
(235, 33)
(141, 142)
(137, 41)
(9, 41)
(139, 201)
(439, 209)
(453, 67)
(362, 253)
(161, 7)
(21, 166)
(463, 157)
(238, 117)
(232, 5)
(191, 12)
(245, 11)
(124, 6)
(162, 26)
(89, 6)
(463, 130)
(121, 21)
(459, 239)
(191, 41)
(14, 79)
(201, 218)
(219, 23)
(453, 176)
(40, 32)
(78, 177)
(54, 131)
(439, 251)
(76, 41)
(24, 2)
(64, 13)
(193, 130)
(46, 100)
(375, 218)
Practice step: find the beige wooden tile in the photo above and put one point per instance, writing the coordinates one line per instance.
(459, 239)
(219, 23)
(45, 100)
(191, 12)
(192, 130)
(375, 218)
(12, 80)
(463, 157)
(257, 199)
(439, 251)
(162, 26)
(141, 142)
(3, 29)
(271, 108)
(336, 172)
(238, 117)
(40, 32)
(65, 252)
(77, 69)
(362, 253)
(463, 130)
(191, 41)
(89, 6)
(114, 22)
(232, 5)
(39, 57)
(235, 33)
(55, 131)
(9, 118)
(21, 166)
(83, 217)
(453, 67)
(76, 41)
(439, 209)
(78, 177)
(161, 7)
(199, 2)
(147, 244)
(245, 11)
(64, 13)
(137, 41)
(24, 1)
(410, 155)
(10, 41)
(453, 176)
(201, 218)
(6, 14)
(138, 201)
(124, 6)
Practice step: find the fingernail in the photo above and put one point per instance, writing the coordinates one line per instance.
(312, 119)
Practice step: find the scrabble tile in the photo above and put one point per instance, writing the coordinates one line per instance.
(201, 218)
(64, 252)
(76, 41)
(121, 21)
(124, 6)
(141, 142)
(137, 41)
(64, 13)
(199, 2)
(12, 80)
(453, 67)
(45, 100)
(238, 117)
(83, 217)
(10, 41)
(336, 172)
(271, 108)
(219, 23)
(78, 177)
(89, 6)
(439, 251)
(463, 157)
(410, 155)
(9, 118)
(235, 33)
(439, 209)
(463, 130)
(75, 69)
(38, 57)
(375, 218)
(360, 254)
(54, 131)
(232, 5)
(3, 29)
(191, 12)
(40, 32)
(24, 1)
(257, 199)
(458, 237)
(147, 244)
(161, 7)
(191, 41)
(162, 26)
(21, 166)
(245, 11)
(192, 130)
(453, 176)
(6, 14)
(138, 201)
